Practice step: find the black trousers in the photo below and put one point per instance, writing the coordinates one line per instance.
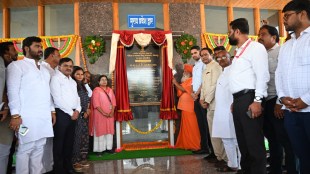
(278, 139)
(201, 115)
(63, 142)
(250, 136)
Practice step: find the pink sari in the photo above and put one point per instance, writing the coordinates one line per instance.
(98, 122)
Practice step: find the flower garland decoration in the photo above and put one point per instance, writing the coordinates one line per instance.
(94, 47)
(147, 132)
(183, 45)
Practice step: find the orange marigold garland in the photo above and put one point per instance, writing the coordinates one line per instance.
(94, 47)
(183, 45)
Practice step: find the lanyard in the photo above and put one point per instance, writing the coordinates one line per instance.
(237, 56)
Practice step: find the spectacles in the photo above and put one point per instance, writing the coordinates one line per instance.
(287, 15)
(221, 58)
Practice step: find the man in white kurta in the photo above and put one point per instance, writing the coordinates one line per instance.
(29, 102)
(51, 60)
(223, 123)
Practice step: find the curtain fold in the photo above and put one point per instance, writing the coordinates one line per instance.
(167, 105)
(123, 111)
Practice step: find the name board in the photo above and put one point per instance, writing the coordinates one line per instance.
(144, 74)
(141, 21)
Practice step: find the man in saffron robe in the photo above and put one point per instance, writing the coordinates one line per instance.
(189, 136)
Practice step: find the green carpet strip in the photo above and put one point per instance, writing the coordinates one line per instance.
(139, 154)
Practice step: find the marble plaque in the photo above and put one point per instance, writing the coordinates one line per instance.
(144, 74)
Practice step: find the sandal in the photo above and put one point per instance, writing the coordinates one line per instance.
(226, 169)
(84, 164)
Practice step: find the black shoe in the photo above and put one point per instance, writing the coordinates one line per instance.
(239, 171)
(73, 172)
(212, 160)
(210, 156)
(110, 151)
(220, 164)
(200, 152)
(99, 154)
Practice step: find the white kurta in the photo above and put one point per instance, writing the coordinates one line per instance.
(29, 96)
(223, 124)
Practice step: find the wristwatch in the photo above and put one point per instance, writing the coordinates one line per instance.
(258, 99)
(280, 100)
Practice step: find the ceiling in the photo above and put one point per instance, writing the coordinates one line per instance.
(263, 4)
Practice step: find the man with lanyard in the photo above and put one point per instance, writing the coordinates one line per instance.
(51, 60)
(30, 106)
(274, 129)
(292, 80)
(199, 111)
(248, 83)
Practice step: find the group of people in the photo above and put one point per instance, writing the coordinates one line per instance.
(52, 109)
(230, 104)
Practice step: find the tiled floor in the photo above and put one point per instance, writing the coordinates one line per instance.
(189, 164)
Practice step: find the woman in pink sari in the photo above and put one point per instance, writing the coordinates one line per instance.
(102, 117)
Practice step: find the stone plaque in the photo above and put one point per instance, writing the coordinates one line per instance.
(144, 74)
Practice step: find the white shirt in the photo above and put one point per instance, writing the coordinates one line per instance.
(64, 92)
(2, 79)
(293, 72)
(197, 74)
(29, 96)
(89, 91)
(52, 73)
(250, 70)
(49, 68)
(273, 54)
(223, 124)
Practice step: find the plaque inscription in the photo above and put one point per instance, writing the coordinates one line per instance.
(144, 74)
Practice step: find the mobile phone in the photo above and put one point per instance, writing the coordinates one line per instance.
(1, 106)
(23, 130)
(249, 113)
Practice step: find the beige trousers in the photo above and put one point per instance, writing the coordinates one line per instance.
(217, 143)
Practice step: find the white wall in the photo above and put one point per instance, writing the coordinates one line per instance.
(216, 19)
(24, 22)
(245, 13)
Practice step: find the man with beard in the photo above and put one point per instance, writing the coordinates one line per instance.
(292, 79)
(67, 107)
(274, 129)
(30, 106)
(7, 55)
(248, 83)
(199, 111)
